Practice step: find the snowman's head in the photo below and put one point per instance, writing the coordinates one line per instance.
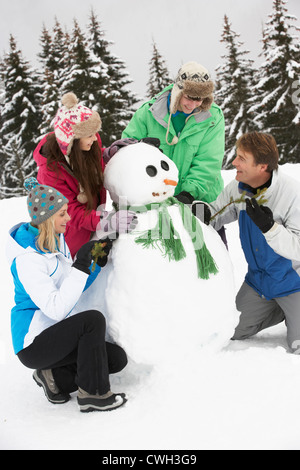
(140, 174)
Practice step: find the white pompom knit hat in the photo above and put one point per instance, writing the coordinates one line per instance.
(74, 121)
(42, 201)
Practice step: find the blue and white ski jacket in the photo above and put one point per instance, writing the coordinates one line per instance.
(47, 287)
(273, 257)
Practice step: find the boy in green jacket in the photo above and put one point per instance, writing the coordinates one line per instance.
(190, 128)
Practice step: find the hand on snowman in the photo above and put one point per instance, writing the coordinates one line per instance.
(122, 221)
(118, 144)
(115, 146)
(185, 198)
(84, 255)
(202, 211)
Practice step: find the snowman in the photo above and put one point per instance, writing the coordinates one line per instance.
(168, 287)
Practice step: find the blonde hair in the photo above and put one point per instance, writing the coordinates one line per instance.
(47, 240)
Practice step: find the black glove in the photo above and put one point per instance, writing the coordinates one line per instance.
(185, 197)
(84, 256)
(151, 141)
(202, 212)
(262, 216)
(102, 260)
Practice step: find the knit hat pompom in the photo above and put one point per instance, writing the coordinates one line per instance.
(69, 100)
(74, 121)
(30, 183)
(43, 201)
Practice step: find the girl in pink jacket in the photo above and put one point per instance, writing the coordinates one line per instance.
(70, 160)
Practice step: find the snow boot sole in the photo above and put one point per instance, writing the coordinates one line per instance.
(113, 402)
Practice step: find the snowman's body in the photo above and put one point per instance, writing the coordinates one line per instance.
(155, 306)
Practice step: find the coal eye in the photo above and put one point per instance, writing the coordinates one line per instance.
(164, 165)
(151, 170)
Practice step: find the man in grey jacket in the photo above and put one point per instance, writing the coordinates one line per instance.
(266, 202)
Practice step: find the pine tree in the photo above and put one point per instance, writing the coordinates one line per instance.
(278, 109)
(77, 76)
(233, 92)
(17, 168)
(97, 46)
(120, 101)
(55, 65)
(49, 78)
(115, 100)
(60, 44)
(20, 119)
(2, 96)
(159, 75)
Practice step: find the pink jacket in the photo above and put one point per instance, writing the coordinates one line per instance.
(82, 224)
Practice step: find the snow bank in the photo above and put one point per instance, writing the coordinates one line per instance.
(244, 397)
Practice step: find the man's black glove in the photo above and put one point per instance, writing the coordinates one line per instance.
(262, 216)
(202, 212)
(84, 256)
(185, 197)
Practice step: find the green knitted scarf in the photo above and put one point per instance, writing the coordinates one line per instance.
(166, 238)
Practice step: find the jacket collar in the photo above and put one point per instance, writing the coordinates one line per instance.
(22, 240)
(269, 185)
(160, 109)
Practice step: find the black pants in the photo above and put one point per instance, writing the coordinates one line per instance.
(76, 351)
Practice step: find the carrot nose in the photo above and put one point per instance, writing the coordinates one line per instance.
(170, 182)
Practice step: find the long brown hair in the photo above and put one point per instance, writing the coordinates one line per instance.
(85, 166)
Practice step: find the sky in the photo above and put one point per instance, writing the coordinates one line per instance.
(182, 31)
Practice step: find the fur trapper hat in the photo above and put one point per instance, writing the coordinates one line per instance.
(193, 80)
(74, 121)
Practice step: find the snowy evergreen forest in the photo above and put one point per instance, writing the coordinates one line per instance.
(264, 98)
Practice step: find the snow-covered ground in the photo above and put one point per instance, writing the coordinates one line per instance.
(243, 397)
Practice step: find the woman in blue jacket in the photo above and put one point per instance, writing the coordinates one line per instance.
(65, 346)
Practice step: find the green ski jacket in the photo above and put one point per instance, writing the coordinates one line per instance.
(199, 151)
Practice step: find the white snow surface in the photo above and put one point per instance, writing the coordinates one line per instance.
(242, 395)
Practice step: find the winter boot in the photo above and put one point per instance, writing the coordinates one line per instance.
(107, 402)
(44, 378)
